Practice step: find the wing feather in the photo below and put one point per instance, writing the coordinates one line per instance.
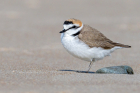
(94, 38)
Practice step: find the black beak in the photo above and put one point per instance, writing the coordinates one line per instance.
(63, 31)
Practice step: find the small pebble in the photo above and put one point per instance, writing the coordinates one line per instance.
(116, 70)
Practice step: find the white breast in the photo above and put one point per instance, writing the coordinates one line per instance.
(79, 49)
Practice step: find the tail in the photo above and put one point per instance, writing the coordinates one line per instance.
(121, 45)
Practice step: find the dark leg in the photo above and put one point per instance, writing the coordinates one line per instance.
(93, 60)
(90, 66)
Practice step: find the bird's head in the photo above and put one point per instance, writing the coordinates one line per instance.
(72, 26)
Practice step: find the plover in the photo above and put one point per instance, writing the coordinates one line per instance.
(86, 43)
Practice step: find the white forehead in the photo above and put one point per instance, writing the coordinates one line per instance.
(69, 26)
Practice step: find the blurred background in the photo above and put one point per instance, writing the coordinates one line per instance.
(35, 23)
(31, 52)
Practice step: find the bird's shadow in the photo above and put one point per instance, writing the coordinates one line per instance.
(77, 71)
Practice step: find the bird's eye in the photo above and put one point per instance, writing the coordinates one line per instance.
(75, 27)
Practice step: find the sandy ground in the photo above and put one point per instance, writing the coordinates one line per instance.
(33, 60)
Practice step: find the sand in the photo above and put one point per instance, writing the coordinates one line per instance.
(33, 60)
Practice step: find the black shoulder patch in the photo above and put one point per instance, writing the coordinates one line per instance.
(76, 33)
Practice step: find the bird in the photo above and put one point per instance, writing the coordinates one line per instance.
(87, 43)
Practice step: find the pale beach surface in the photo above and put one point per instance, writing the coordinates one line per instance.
(33, 60)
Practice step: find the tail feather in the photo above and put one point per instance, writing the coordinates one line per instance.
(121, 45)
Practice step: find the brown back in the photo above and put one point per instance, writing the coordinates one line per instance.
(93, 38)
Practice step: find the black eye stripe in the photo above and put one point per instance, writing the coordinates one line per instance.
(68, 22)
(75, 27)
